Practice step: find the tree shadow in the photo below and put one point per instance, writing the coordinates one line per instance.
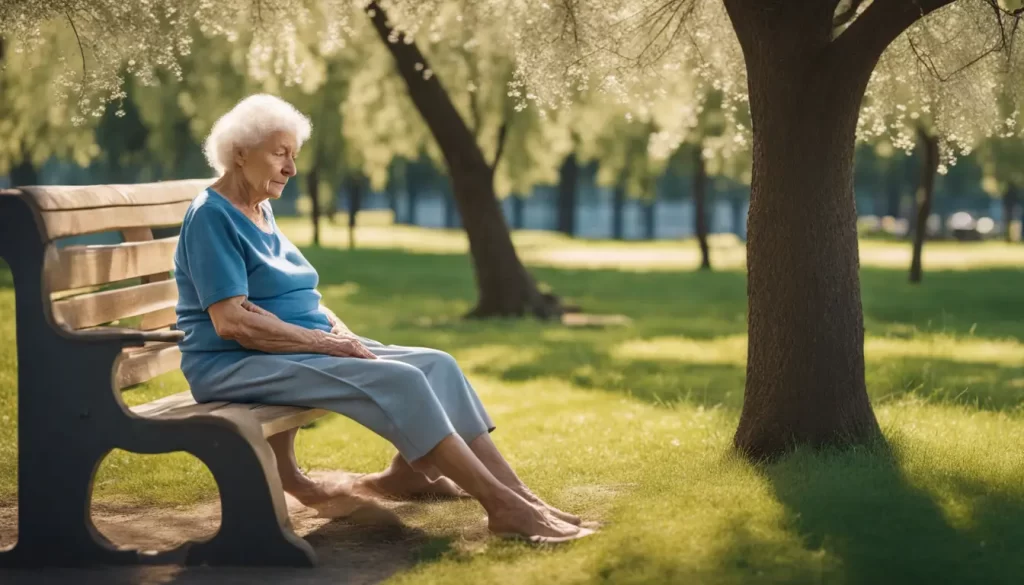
(981, 385)
(860, 508)
(981, 302)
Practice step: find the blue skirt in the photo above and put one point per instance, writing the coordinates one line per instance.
(412, 396)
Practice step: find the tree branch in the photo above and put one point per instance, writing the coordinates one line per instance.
(880, 24)
(432, 101)
(81, 51)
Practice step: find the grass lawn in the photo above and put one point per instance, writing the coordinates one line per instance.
(633, 425)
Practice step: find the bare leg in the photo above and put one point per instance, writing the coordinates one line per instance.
(507, 512)
(485, 450)
(305, 489)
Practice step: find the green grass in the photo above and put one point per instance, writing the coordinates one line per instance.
(633, 425)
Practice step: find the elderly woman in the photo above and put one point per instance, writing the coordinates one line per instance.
(255, 331)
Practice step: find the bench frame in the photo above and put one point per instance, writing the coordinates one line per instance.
(70, 415)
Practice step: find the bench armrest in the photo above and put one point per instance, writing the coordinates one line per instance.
(127, 336)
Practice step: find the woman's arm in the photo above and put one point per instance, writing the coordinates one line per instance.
(238, 319)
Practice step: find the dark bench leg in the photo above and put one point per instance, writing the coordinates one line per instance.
(54, 525)
(255, 528)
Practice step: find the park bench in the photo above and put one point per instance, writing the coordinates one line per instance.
(93, 320)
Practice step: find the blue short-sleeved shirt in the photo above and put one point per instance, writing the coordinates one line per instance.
(221, 253)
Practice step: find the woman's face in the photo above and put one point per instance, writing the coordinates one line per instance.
(268, 165)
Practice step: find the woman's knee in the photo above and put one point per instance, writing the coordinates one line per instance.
(444, 360)
(407, 377)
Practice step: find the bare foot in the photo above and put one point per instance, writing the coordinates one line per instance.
(310, 492)
(339, 499)
(520, 519)
(401, 482)
(532, 498)
(413, 486)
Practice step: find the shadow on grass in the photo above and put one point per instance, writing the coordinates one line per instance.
(876, 525)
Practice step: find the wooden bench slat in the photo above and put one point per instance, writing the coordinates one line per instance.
(76, 222)
(272, 419)
(276, 419)
(147, 363)
(104, 307)
(81, 266)
(159, 319)
(176, 405)
(66, 197)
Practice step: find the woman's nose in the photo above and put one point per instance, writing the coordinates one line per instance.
(289, 169)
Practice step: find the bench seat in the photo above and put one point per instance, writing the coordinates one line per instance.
(272, 419)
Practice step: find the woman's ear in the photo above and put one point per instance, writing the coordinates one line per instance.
(240, 155)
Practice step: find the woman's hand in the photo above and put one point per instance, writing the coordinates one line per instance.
(345, 345)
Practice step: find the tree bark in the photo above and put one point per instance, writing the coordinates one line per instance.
(925, 193)
(618, 207)
(700, 179)
(805, 354)
(505, 287)
(1009, 207)
(313, 187)
(568, 180)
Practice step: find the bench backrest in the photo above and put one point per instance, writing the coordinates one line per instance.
(127, 284)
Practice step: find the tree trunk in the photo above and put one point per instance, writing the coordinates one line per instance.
(504, 285)
(1009, 207)
(393, 204)
(313, 187)
(331, 208)
(650, 215)
(355, 186)
(568, 180)
(24, 173)
(700, 179)
(618, 206)
(805, 354)
(412, 190)
(925, 192)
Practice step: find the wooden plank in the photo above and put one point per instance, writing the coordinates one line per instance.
(175, 405)
(276, 419)
(98, 308)
(146, 364)
(82, 266)
(145, 234)
(159, 319)
(61, 224)
(63, 197)
(272, 419)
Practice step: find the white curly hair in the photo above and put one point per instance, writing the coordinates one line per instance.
(248, 123)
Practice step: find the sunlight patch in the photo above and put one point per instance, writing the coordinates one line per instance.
(946, 347)
(729, 350)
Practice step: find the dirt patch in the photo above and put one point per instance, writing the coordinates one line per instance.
(360, 544)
